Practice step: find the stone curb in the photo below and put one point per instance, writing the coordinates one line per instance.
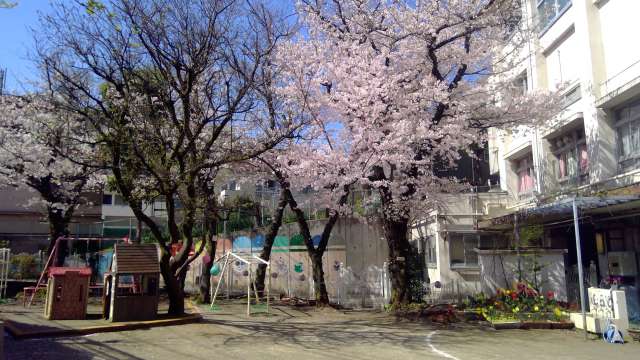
(19, 334)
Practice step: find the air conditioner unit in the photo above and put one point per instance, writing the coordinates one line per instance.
(622, 263)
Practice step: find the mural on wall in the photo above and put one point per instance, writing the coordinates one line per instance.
(291, 271)
(353, 275)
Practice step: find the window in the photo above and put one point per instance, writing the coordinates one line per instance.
(563, 64)
(550, 10)
(628, 129)
(525, 172)
(521, 83)
(572, 159)
(461, 249)
(430, 251)
(107, 199)
(137, 285)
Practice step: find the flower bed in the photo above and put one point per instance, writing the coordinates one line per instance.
(522, 308)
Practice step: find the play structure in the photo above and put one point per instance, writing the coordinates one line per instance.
(67, 293)
(31, 291)
(5, 262)
(131, 285)
(224, 277)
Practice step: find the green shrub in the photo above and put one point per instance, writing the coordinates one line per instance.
(24, 266)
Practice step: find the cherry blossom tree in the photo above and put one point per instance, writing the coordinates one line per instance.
(172, 91)
(401, 89)
(34, 151)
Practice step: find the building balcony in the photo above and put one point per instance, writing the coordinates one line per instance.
(620, 87)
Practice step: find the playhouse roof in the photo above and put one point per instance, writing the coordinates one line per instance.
(56, 271)
(135, 259)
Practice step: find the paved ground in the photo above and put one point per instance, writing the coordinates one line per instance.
(327, 334)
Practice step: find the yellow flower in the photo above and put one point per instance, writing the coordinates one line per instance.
(536, 308)
(516, 309)
(508, 292)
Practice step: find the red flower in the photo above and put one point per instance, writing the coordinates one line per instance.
(550, 295)
(514, 296)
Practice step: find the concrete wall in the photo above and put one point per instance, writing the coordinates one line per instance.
(499, 269)
(619, 17)
(353, 263)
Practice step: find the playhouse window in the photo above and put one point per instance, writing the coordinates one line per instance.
(137, 285)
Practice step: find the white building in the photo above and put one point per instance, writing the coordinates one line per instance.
(592, 147)
(118, 219)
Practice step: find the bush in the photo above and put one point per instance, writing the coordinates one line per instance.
(24, 266)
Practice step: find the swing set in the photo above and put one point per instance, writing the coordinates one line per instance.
(251, 261)
(31, 291)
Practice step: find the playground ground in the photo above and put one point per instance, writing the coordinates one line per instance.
(306, 333)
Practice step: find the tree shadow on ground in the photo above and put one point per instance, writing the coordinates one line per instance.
(77, 348)
(318, 334)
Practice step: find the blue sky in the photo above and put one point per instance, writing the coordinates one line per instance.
(16, 41)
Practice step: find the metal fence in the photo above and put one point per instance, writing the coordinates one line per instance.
(454, 291)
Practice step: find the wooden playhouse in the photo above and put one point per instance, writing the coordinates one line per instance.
(131, 285)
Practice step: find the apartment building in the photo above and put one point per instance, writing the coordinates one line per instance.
(117, 218)
(590, 150)
(24, 226)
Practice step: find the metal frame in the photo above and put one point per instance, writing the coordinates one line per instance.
(251, 284)
(5, 262)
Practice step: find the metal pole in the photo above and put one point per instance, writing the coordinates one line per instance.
(580, 274)
(516, 235)
(249, 291)
(220, 280)
(268, 285)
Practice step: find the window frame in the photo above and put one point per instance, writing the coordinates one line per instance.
(110, 196)
(577, 142)
(529, 166)
(622, 121)
(558, 12)
(431, 252)
(464, 237)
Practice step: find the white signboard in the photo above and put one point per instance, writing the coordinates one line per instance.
(605, 304)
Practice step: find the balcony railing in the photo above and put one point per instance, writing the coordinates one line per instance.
(626, 78)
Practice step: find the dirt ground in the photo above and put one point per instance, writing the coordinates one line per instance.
(306, 333)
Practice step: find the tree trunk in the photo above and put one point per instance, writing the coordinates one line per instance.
(138, 238)
(268, 243)
(319, 285)
(58, 227)
(173, 286)
(395, 232)
(205, 276)
(315, 255)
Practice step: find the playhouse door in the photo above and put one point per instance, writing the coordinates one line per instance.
(106, 297)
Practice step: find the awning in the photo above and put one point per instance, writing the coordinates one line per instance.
(562, 210)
